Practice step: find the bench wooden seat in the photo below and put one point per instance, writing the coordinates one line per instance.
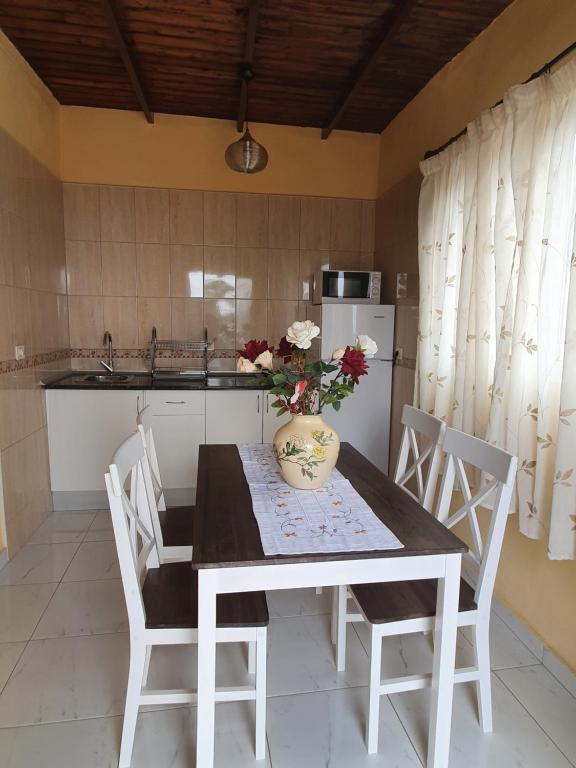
(170, 595)
(177, 524)
(401, 600)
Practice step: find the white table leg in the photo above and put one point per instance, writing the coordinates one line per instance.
(445, 628)
(206, 669)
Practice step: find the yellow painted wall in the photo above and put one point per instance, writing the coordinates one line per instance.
(529, 33)
(517, 43)
(28, 111)
(108, 146)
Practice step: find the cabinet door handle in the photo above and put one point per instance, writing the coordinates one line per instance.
(267, 403)
(258, 404)
(175, 402)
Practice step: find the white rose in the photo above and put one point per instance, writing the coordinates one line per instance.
(301, 333)
(338, 354)
(367, 345)
(265, 360)
(243, 365)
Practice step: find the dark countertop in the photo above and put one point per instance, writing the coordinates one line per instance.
(124, 380)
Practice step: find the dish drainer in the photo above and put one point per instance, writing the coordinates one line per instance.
(169, 345)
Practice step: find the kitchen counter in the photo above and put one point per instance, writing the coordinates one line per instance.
(126, 380)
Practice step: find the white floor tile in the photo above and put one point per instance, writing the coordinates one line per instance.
(21, 608)
(301, 657)
(67, 679)
(41, 564)
(327, 729)
(411, 654)
(506, 650)
(101, 528)
(62, 527)
(85, 608)
(549, 703)
(175, 666)
(168, 738)
(516, 741)
(164, 738)
(77, 744)
(560, 670)
(94, 561)
(519, 629)
(9, 655)
(283, 603)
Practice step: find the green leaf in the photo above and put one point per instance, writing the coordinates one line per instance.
(278, 379)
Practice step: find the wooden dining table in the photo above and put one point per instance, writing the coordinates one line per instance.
(229, 558)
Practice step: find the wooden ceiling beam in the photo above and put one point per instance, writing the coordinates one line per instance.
(368, 64)
(126, 56)
(253, 13)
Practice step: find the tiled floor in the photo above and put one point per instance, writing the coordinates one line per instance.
(64, 661)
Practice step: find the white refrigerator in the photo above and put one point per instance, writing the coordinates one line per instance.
(364, 418)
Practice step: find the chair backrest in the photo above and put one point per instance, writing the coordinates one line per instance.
(132, 523)
(151, 473)
(417, 423)
(497, 469)
(144, 424)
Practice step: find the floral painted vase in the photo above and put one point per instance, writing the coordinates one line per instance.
(306, 450)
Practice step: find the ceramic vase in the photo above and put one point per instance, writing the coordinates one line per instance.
(306, 449)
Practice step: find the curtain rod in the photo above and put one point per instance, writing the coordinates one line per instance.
(546, 68)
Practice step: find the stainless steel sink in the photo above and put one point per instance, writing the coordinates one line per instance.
(234, 381)
(104, 378)
(221, 381)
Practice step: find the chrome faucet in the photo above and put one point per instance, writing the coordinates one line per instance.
(109, 365)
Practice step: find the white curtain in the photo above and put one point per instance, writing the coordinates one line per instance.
(497, 341)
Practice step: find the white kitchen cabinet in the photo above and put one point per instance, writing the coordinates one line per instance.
(234, 416)
(271, 422)
(84, 430)
(178, 424)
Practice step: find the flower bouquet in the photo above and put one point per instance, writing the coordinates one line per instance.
(306, 448)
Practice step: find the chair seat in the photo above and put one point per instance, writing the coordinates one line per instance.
(399, 600)
(177, 524)
(170, 595)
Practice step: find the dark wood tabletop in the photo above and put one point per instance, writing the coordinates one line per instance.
(226, 532)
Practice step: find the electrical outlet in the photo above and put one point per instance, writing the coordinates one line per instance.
(20, 352)
(399, 354)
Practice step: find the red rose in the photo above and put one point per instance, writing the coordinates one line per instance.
(353, 363)
(254, 348)
(285, 349)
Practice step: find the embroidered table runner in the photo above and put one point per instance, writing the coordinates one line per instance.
(334, 518)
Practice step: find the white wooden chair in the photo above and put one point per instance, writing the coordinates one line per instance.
(407, 607)
(173, 526)
(418, 424)
(429, 429)
(162, 604)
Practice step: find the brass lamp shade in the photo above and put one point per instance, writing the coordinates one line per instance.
(246, 155)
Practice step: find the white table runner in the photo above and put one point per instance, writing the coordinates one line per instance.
(334, 518)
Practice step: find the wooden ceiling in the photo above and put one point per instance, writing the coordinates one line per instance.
(308, 55)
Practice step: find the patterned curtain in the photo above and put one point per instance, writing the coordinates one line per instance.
(497, 340)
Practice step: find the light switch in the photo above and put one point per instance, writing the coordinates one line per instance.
(20, 352)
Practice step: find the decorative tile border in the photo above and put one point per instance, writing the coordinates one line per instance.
(33, 361)
(144, 353)
(10, 366)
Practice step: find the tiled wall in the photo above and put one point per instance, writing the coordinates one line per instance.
(182, 260)
(33, 313)
(396, 250)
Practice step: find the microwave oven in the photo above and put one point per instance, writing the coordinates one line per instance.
(332, 286)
